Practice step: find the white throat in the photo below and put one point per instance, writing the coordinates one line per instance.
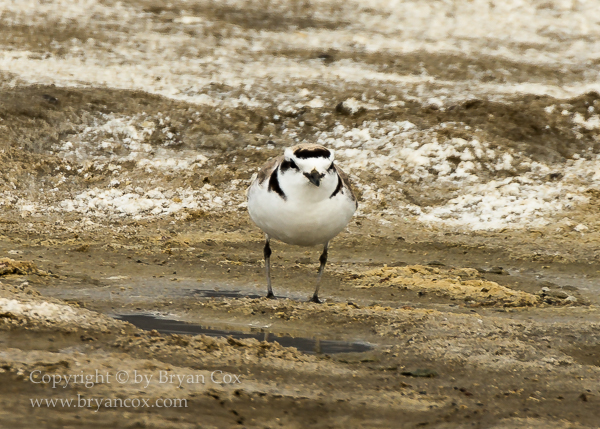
(297, 187)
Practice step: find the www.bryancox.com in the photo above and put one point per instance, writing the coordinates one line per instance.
(97, 403)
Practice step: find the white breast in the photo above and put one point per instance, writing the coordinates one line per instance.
(307, 217)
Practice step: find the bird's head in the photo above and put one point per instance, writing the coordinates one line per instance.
(312, 161)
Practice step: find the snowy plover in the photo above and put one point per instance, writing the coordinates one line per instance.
(301, 198)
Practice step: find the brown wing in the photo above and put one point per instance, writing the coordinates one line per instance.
(267, 169)
(345, 181)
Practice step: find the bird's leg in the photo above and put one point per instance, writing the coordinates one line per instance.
(323, 261)
(268, 267)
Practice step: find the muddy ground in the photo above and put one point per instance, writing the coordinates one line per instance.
(122, 192)
(469, 307)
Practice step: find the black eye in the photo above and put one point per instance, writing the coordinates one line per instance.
(286, 165)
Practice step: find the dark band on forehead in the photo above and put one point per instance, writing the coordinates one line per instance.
(317, 152)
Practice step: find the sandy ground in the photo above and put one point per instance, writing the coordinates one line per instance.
(129, 132)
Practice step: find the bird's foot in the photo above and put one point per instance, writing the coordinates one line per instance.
(270, 295)
(316, 300)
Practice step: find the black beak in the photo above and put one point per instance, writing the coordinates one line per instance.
(314, 177)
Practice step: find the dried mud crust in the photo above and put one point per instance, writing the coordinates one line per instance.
(56, 168)
(523, 123)
(280, 17)
(458, 284)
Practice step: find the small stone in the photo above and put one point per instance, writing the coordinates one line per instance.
(493, 270)
(349, 107)
(497, 270)
(545, 289)
(581, 228)
(421, 372)
(571, 299)
(559, 294)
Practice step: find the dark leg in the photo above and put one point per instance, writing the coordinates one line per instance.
(268, 267)
(323, 261)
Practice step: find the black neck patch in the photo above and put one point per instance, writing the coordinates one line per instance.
(338, 188)
(319, 152)
(274, 185)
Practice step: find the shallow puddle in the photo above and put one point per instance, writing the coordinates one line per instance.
(213, 293)
(306, 345)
